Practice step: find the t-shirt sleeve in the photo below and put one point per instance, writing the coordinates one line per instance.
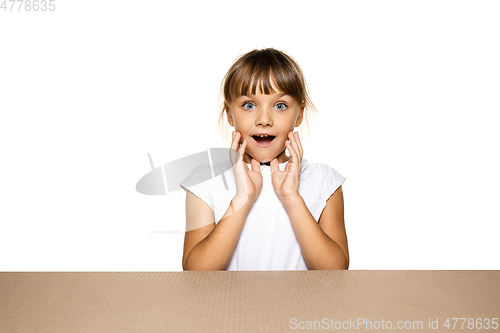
(197, 183)
(333, 180)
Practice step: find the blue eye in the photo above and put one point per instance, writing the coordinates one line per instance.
(281, 106)
(248, 106)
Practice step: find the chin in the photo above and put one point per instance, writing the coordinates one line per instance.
(265, 159)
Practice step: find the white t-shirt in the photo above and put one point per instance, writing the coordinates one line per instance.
(267, 240)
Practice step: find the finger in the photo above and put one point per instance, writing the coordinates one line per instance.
(293, 153)
(255, 166)
(234, 142)
(291, 146)
(299, 144)
(239, 143)
(233, 151)
(274, 165)
(293, 142)
(243, 146)
(237, 146)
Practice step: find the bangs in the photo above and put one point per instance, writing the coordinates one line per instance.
(264, 72)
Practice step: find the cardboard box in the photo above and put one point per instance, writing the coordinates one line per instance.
(276, 301)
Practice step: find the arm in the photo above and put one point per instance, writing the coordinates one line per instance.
(208, 246)
(324, 243)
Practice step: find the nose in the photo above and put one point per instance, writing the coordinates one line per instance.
(264, 117)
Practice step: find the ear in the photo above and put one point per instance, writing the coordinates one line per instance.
(229, 115)
(300, 117)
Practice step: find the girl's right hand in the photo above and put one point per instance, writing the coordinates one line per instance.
(248, 183)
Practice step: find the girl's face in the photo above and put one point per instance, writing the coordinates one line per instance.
(275, 115)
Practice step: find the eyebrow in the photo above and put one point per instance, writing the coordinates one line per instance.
(250, 95)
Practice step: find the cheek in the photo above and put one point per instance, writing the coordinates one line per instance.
(241, 124)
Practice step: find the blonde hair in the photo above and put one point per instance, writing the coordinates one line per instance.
(262, 68)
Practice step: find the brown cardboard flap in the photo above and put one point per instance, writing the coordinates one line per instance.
(274, 301)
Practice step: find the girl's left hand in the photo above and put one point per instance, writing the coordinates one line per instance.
(286, 183)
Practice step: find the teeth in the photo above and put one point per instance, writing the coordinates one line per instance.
(263, 136)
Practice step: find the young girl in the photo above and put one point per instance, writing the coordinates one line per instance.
(265, 210)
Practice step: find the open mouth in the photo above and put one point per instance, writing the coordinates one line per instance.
(263, 140)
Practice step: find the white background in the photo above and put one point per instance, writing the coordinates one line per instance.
(408, 94)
